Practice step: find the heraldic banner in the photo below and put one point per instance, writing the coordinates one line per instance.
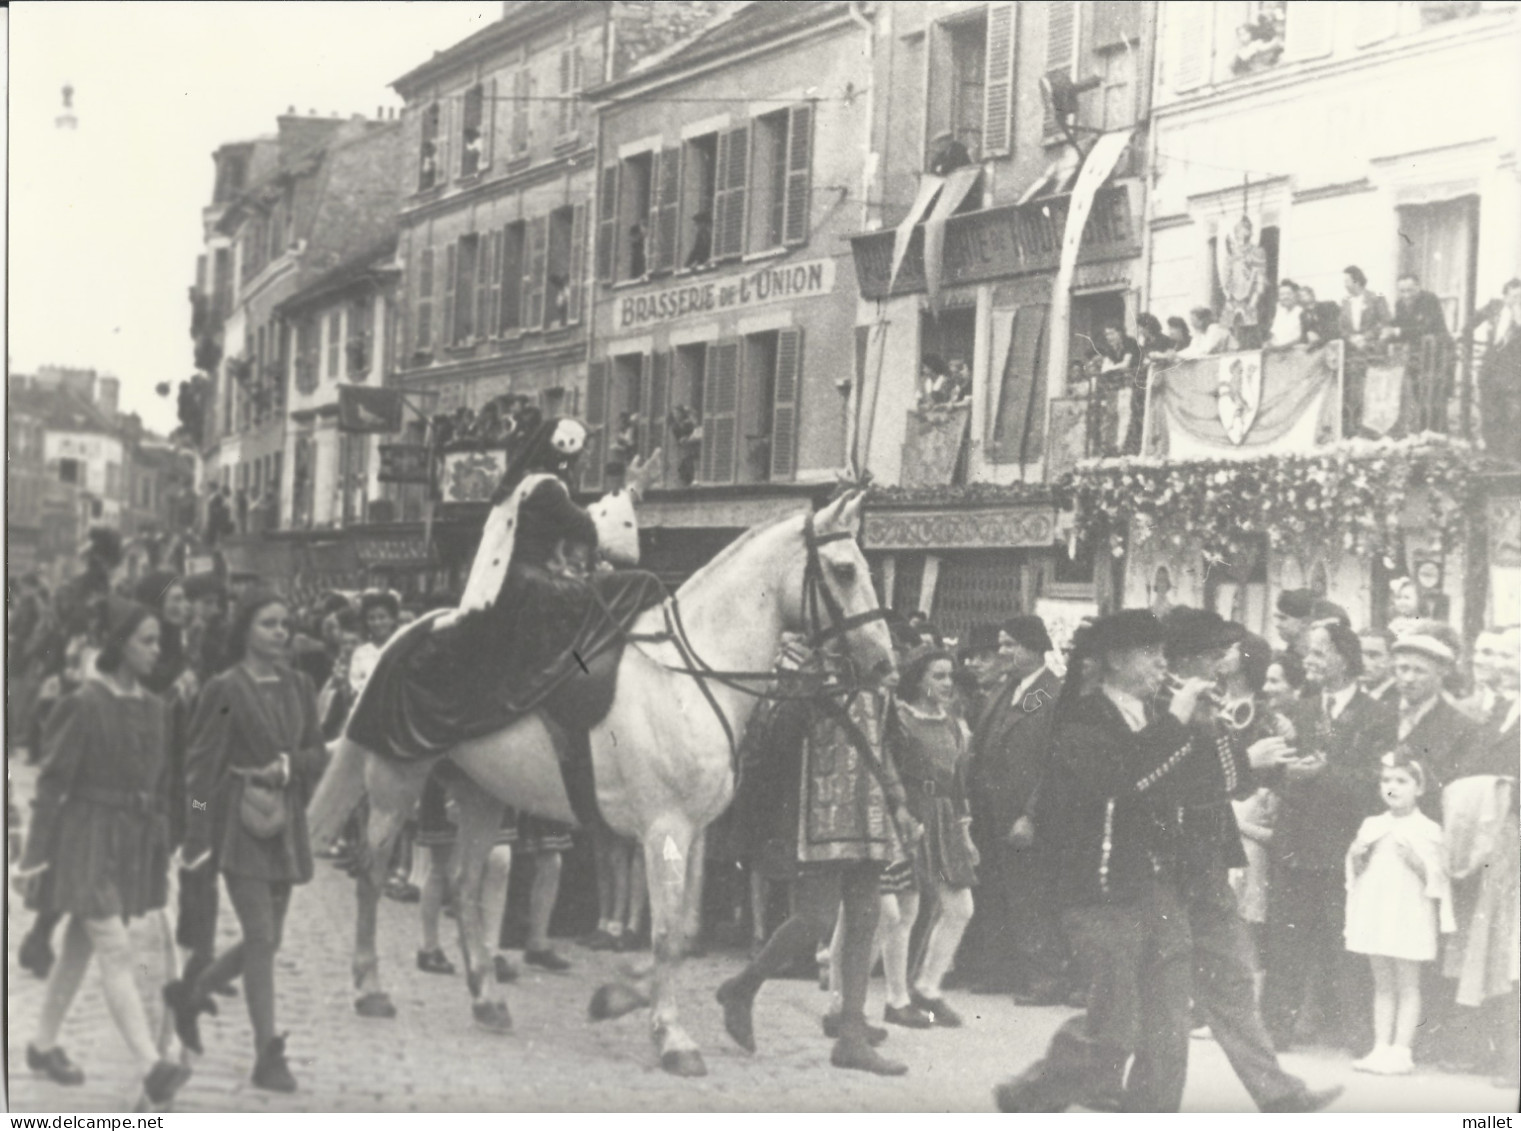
(1242, 405)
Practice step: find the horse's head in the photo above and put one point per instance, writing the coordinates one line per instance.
(835, 600)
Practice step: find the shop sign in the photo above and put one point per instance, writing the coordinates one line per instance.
(998, 529)
(403, 463)
(777, 282)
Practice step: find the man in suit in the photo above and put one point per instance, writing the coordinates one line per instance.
(1014, 930)
(1363, 318)
(1378, 672)
(1199, 644)
(1421, 325)
(1500, 375)
(1437, 734)
(1325, 792)
(1295, 613)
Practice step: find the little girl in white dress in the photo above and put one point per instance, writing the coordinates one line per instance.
(1398, 903)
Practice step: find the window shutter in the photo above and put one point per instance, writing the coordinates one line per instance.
(734, 167)
(1061, 48)
(520, 93)
(720, 405)
(577, 281)
(785, 404)
(596, 426)
(1190, 26)
(536, 262)
(451, 257)
(1308, 28)
(485, 276)
(665, 220)
(998, 84)
(446, 117)
(796, 217)
(607, 224)
(656, 406)
(424, 327)
(720, 193)
(488, 125)
(511, 270)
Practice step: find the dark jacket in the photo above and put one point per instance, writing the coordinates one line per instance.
(1375, 316)
(1099, 808)
(1440, 742)
(1011, 748)
(1419, 317)
(1319, 818)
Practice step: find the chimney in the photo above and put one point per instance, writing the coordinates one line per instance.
(107, 396)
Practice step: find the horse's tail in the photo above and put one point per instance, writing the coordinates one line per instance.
(341, 789)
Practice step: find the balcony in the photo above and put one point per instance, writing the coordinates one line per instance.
(999, 243)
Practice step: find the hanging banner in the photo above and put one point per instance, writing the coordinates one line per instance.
(363, 409)
(929, 185)
(1243, 405)
(957, 185)
(1096, 168)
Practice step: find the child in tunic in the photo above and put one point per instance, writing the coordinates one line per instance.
(1398, 902)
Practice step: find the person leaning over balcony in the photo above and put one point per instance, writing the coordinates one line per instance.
(1500, 377)
(1420, 324)
(1209, 336)
(1288, 317)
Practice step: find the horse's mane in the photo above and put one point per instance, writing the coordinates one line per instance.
(721, 559)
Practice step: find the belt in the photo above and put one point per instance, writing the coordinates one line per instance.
(136, 800)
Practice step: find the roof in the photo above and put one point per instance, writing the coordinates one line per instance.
(358, 199)
(517, 21)
(750, 26)
(297, 152)
(58, 410)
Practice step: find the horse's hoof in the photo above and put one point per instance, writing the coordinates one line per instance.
(375, 1004)
(683, 1062)
(613, 1000)
(492, 1016)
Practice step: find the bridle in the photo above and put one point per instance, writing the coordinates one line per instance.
(824, 618)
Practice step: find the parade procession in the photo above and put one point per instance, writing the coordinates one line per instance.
(785, 555)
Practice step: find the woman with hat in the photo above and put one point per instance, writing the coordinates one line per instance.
(98, 845)
(255, 753)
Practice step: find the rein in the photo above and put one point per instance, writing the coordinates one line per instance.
(816, 595)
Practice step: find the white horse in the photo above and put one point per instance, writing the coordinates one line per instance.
(662, 757)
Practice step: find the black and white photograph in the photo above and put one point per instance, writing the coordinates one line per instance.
(596, 556)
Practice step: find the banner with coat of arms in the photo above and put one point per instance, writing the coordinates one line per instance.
(1243, 405)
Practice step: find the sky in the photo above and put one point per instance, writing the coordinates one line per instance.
(104, 220)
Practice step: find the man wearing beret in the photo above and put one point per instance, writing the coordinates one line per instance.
(1014, 932)
(1115, 762)
(1198, 644)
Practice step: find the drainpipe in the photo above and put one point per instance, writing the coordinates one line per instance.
(869, 163)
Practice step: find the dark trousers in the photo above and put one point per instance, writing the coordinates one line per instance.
(1137, 956)
(1014, 941)
(1224, 989)
(260, 906)
(1306, 950)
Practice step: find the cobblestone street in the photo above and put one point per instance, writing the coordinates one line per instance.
(432, 1058)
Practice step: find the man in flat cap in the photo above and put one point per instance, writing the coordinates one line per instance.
(1198, 645)
(1014, 942)
(1437, 733)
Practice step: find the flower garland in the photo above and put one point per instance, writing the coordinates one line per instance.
(1347, 497)
(969, 494)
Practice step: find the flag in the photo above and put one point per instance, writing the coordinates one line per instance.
(1242, 405)
(362, 409)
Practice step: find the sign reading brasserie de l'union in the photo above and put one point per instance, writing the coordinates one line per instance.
(775, 283)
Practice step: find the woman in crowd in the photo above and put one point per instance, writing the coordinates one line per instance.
(98, 846)
(255, 754)
(1209, 337)
(1283, 683)
(930, 746)
(1179, 334)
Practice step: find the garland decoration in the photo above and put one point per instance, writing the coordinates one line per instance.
(1349, 497)
(969, 494)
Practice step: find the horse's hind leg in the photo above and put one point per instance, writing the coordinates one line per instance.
(394, 789)
(667, 848)
(480, 815)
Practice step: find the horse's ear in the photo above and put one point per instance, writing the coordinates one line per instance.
(850, 512)
(840, 513)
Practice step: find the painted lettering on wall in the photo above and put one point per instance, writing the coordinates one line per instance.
(754, 288)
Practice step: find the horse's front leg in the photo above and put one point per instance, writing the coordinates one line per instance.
(668, 847)
(480, 815)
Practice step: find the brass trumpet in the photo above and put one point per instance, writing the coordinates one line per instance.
(1237, 715)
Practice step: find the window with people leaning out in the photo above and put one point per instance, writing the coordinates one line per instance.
(523, 276)
(721, 196)
(725, 412)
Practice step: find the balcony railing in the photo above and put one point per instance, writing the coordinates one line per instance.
(997, 243)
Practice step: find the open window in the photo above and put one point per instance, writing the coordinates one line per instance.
(698, 166)
(781, 159)
(557, 280)
(472, 156)
(514, 238)
(428, 166)
(684, 415)
(636, 188)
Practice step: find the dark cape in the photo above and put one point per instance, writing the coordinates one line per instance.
(546, 642)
